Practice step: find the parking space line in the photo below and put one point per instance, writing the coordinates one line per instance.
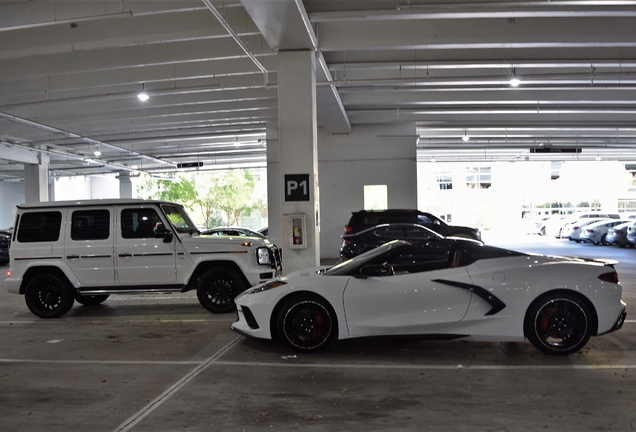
(424, 367)
(211, 360)
(65, 322)
(157, 402)
(104, 362)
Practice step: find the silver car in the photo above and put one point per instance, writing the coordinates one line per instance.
(618, 234)
(597, 232)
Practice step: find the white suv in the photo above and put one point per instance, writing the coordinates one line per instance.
(87, 250)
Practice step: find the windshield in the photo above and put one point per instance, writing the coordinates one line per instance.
(179, 219)
(374, 256)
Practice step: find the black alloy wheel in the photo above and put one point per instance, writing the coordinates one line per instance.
(91, 300)
(217, 288)
(306, 324)
(48, 296)
(560, 324)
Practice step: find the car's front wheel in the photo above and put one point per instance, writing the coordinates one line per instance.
(306, 323)
(217, 288)
(559, 324)
(48, 296)
(91, 300)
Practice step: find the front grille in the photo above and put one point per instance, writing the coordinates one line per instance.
(249, 317)
(276, 258)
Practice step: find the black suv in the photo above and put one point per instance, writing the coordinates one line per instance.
(366, 220)
(5, 243)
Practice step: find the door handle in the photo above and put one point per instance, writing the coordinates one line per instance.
(125, 255)
(72, 257)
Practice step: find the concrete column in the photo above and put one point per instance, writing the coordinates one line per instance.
(274, 193)
(125, 186)
(298, 158)
(369, 155)
(36, 180)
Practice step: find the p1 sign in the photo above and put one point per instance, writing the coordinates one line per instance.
(296, 187)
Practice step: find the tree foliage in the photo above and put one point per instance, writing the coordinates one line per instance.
(213, 195)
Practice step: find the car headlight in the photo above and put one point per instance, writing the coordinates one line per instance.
(266, 286)
(262, 256)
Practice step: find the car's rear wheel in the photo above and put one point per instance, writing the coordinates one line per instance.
(91, 300)
(306, 324)
(48, 296)
(217, 288)
(559, 324)
(604, 241)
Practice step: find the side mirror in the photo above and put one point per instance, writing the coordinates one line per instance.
(162, 232)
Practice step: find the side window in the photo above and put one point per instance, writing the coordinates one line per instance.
(90, 225)
(424, 220)
(390, 233)
(139, 223)
(40, 227)
(418, 233)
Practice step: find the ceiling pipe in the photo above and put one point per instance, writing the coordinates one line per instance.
(72, 135)
(236, 38)
(99, 163)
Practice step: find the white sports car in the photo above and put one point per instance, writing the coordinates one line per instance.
(463, 290)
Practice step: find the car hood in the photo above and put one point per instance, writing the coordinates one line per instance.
(218, 241)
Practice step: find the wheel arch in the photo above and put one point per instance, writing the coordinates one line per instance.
(40, 270)
(272, 320)
(578, 295)
(208, 265)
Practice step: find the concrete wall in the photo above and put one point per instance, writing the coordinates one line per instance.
(11, 194)
(83, 188)
(369, 155)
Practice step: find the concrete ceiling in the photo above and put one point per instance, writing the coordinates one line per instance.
(70, 72)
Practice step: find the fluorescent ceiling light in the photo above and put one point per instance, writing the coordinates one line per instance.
(515, 82)
(465, 138)
(143, 96)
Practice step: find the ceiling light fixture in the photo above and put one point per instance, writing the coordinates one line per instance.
(514, 81)
(465, 137)
(143, 96)
(97, 153)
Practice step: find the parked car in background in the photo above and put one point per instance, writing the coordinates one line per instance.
(365, 219)
(370, 238)
(5, 243)
(478, 291)
(618, 235)
(232, 232)
(548, 225)
(573, 230)
(597, 232)
(631, 235)
(573, 218)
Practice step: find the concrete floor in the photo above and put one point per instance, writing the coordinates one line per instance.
(162, 363)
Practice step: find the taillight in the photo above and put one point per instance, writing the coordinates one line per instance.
(8, 273)
(348, 229)
(347, 242)
(575, 228)
(609, 277)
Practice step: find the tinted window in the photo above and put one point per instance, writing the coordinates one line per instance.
(90, 225)
(424, 220)
(419, 233)
(139, 223)
(40, 227)
(390, 232)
